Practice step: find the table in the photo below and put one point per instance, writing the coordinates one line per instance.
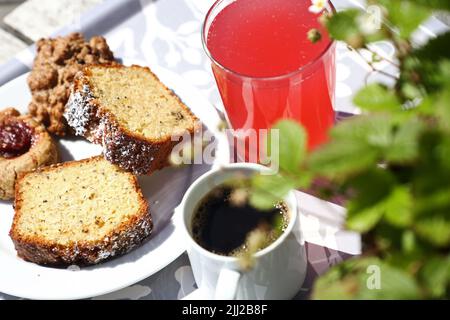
(24, 22)
(166, 33)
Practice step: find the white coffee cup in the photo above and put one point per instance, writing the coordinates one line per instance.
(280, 268)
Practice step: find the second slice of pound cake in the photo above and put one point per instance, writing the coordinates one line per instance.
(78, 213)
(131, 114)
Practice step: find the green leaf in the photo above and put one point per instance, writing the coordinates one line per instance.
(444, 154)
(377, 195)
(341, 289)
(395, 284)
(304, 179)
(434, 274)
(431, 64)
(376, 97)
(408, 242)
(406, 15)
(388, 239)
(334, 285)
(396, 208)
(357, 144)
(267, 190)
(405, 146)
(375, 131)
(343, 158)
(444, 73)
(359, 279)
(426, 106)
(343, 25)
(341, 281)
(394, 138)
(436, 49)
(261, 200)
(434, 201)
(412, 91)
(399, 207)
(364, 220)
(442, 105)
(431, 179)
(376, 37)
(370, 188)
(367, 206)
(291, 145)
(433, 4)
(434, 229)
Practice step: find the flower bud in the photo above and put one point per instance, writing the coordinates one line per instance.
(314, 35)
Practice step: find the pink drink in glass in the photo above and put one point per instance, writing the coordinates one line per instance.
(267, 69)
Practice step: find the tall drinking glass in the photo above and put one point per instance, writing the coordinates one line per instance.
(267, 69)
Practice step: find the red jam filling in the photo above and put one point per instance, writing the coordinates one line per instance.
(15, 139)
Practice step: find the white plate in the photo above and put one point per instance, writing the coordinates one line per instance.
(164, 191)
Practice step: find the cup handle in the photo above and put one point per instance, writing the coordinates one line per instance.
(227, 284)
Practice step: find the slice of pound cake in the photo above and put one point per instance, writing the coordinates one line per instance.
(78, 213)
(127, 110)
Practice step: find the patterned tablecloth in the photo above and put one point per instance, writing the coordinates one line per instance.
(166, 33)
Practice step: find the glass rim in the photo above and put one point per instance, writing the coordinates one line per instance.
(244, 76)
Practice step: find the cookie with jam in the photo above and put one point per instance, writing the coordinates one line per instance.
(24, 146)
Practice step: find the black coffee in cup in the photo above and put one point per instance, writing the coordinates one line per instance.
(224, 220)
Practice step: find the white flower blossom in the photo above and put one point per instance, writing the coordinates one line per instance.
(370, 21)
(317, 6)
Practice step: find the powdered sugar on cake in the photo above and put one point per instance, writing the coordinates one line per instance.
(121, 146)
(79, 109)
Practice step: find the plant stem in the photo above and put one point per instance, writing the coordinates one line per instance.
(382, 57)
(371, 65)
